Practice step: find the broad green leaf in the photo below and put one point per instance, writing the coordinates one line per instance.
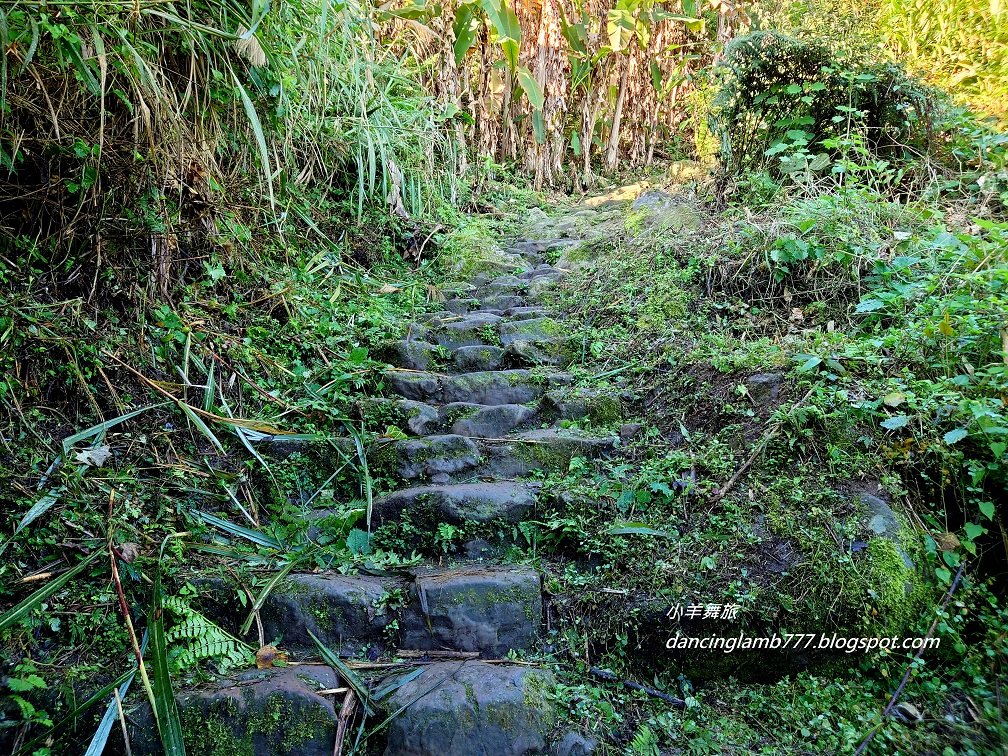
(466, 28)
(621, 27)
(869, 305)
(987, 509)
(531, 88)
(505, 22)
(953, 436)
(637, 528)
(896, 421)
(974, 531)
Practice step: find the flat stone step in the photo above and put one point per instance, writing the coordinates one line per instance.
(481, 609)
(540, 271)
(532, 329)
(459, 418)
(539, 247)
(502, 285)
(481, 387)
(476, 329)
(502, 302)
(490, 610)
(473, 709)
(547, 450)
(506, 501)
(524, 313)
(439, 459)
(454, 458)
(254, 712)
(480, 358)
(412, 354)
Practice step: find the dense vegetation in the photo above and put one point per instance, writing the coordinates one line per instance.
(214, 215)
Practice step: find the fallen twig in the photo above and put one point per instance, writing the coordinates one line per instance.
(767, 438)
(437, 654)
(906, 675)
(346, 712)
(604, 674)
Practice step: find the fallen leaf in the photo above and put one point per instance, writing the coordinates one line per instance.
(267, 656)
(908, 712)
(947, 541)
(388, 289)
(93, 457)
(128, 552)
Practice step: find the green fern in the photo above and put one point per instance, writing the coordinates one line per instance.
(644, 743)
(193, 638)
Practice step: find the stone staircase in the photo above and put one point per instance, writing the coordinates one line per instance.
(481, 390)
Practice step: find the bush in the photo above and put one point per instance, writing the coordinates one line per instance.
(786, 104)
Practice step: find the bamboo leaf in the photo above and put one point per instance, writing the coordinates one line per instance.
(102, 427)
(97, 745)
(265, 594)
(637, 528)
(260, 137)
(201, 426)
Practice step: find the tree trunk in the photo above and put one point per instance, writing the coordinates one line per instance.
(612, 153)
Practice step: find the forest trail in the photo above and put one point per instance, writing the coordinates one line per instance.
(482, 391)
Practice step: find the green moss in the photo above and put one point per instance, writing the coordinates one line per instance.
(604, 410)
(893, 588)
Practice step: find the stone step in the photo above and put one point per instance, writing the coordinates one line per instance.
(254, 713)
(476, 329)
(412, 354)
(426, 506)
(480, 387)
(531, 329)
(501, 285)
(458, 708)
(458, 418)
(541, 271)
(454, 458)
(462, 308)
(489, 610)
(473, 709)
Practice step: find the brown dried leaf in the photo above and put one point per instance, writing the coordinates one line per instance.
(128, 552)
(267, 656)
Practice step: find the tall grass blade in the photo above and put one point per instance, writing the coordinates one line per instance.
(365, 472)
(260, 137)
(201, 426)
(256, 537)
(165, 709)
(333, 660)
(101, 736)
(16, 614)
(265, 594)
(102, 427)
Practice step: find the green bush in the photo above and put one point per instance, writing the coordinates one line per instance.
(787, 103)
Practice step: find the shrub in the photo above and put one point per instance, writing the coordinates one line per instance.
(785, 102)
